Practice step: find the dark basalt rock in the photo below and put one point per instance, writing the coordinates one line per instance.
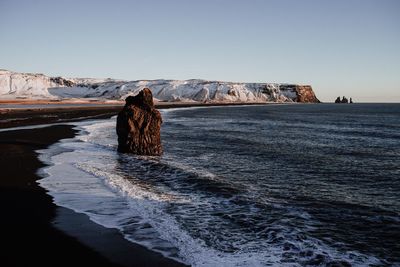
(138, 125)
(344, 100)
(62, 81)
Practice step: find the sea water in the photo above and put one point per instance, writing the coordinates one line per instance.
(272, 185)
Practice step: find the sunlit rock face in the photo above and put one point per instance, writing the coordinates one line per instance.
(138, 126)
(305, 94)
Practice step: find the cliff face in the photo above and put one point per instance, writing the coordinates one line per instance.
(17, 84)
(24, 85)
(305, 94)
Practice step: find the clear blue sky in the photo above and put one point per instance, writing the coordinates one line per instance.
(340, 47)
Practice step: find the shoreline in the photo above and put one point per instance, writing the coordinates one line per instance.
(35, 231)
(30, 212)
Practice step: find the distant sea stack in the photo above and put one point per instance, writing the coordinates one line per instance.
(344, 100)
(138, 126)
(15, 85)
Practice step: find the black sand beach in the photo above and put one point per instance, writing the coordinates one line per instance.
(36, 232)
(31, 116)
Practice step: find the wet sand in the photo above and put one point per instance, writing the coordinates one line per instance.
(33, 116)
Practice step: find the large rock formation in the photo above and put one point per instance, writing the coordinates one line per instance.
(138, 125)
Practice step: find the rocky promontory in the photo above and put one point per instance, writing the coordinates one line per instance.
(304, 93)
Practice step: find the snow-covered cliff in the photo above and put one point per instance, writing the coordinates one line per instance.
(15, 85)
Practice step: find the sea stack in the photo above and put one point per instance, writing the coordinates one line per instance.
(138, 125)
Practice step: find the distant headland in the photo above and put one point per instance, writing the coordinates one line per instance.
(31, 86)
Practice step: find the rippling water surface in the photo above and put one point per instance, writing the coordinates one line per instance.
(275, 185)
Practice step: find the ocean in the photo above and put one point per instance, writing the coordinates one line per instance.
(268, 185)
